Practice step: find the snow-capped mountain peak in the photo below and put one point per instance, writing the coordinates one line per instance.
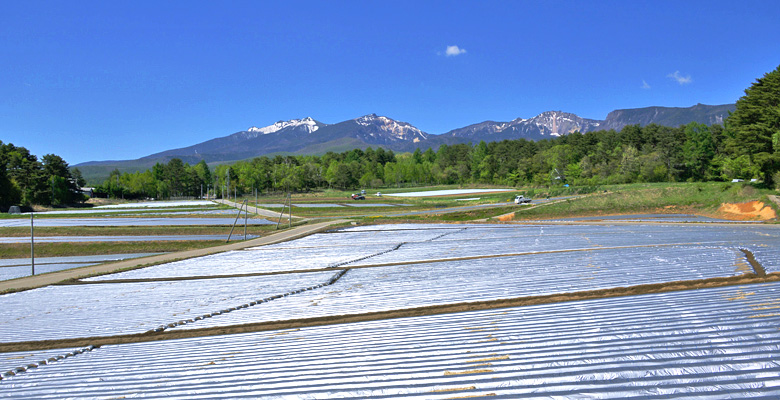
(396, 129)
(307, 123)
(368, 119)
(557, 123)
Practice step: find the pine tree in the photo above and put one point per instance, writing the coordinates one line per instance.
(754, 127)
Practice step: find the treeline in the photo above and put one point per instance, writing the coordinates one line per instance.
(174, 179)
(25, 180)
(653, 153)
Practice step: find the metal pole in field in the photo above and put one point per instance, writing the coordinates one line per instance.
(279, 220)
(289, 196)
(246, 215)
(32, 244)
(234, 223)
(256, 213)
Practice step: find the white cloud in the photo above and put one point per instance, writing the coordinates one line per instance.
(682, 80)
(453, 51)
(645, 85)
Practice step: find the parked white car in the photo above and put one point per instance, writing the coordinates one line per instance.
(520, 199)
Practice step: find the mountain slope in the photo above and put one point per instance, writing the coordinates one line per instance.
(668, 116)
(278, 137)
(545, 125)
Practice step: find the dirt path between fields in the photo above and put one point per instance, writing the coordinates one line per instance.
(98, 341)
(31, 282)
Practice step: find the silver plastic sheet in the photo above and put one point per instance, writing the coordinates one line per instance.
(703, 344)
(57, 312)
(262, 260)
(10, 361)
(476, 240)
(386, 288)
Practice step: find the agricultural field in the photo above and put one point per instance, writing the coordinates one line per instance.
(430, 311)
(72, 238)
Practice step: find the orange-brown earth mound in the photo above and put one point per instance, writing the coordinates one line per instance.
(749, 210)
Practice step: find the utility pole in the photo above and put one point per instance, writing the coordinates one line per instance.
(32, 243)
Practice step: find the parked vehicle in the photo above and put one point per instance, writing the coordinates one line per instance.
(520, 199)
(358, 197)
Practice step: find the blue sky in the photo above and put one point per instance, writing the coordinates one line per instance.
(123, 79)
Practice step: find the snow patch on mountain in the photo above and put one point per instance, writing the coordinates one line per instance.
(557, 123)
(396, 129)
(307, 123)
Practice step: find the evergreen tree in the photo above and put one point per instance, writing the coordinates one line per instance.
(698, 150)
(754, 127)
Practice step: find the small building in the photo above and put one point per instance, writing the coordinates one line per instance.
(90, 192)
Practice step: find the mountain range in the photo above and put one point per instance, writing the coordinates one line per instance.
(309, 136)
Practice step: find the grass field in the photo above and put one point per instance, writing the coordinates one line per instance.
(22, 250)
(678, 198)
(133, 230)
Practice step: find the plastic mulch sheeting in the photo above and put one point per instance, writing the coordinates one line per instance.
(702, 344)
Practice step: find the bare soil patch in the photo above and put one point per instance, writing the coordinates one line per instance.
(749, 210)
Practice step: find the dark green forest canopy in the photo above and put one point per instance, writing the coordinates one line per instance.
(25, 180)
(754, 128)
